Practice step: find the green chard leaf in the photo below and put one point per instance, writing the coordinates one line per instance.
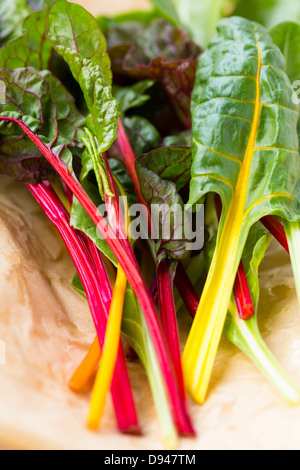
(182, 139)
(32, 49)
(76, 35)
(172, 164)
(41, 102)
(133, 96)
(171, 228)
(245, 148)
(143, 135)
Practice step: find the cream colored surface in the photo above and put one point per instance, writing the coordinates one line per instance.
(47, 328)
(98, 7)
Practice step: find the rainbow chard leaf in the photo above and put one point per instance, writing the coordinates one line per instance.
(171, 59)
(41, 102)
(245, 148)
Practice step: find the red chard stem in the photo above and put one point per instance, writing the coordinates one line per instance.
(276, 229)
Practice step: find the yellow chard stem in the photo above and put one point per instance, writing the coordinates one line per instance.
(109, 353)
(202, 345)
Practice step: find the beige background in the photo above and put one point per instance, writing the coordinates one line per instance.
(113, 6)
(47, 328)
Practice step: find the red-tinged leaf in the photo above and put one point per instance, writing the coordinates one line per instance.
(159, 51)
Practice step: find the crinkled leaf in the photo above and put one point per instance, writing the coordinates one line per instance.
(245, 149)
(76, 35)
(142, 134)
(171, 164)
(45, 106)
(170, 58)
(32, 49)
(171, 229)
(132, 96)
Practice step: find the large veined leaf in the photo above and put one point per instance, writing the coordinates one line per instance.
(245, 148)
(41, 102)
